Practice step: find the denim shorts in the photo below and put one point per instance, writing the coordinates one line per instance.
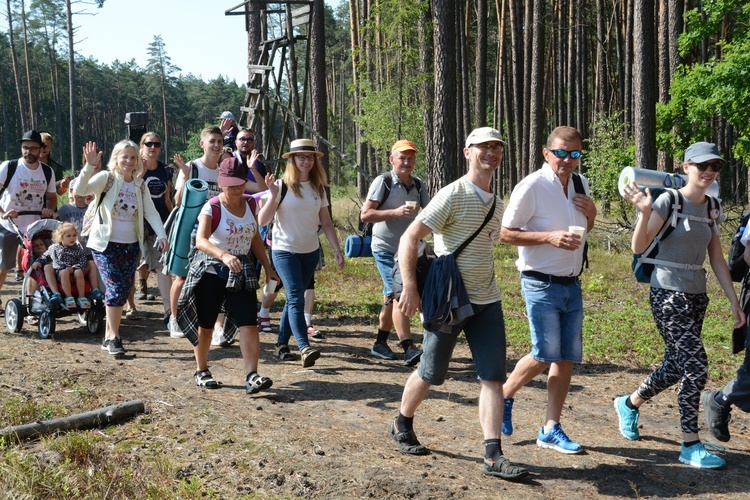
(555, 315)
(385, 263)
(485, 333)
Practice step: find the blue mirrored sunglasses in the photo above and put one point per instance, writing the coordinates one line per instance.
(561, 153)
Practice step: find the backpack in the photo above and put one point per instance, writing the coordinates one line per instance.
(88, 217)
(365, 227)
(13, 165)
(643, 263)
(578, 188)
(269, 227)
(736, 260)
(216, 210)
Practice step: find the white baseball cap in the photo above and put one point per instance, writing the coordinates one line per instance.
(483, 134)
(227, 115)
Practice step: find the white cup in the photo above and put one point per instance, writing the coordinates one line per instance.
(270, 286)
(412, 204)
(579, 230)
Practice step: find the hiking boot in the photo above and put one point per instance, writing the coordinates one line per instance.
(557, 440)
(717, 416)
(115, 347)
(174, 329)
(283, 353)
(255, 383)
(628, 419)
(309, 356)
(143, 291)
(502, 468)
(219, 339)
(382, 351)
(697, 456)
(508, 416)
(407, 441)
(412, 355)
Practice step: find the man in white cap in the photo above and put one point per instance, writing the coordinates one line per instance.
(454, 214)
(548, 216)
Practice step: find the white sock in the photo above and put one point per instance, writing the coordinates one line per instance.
(264, 312)
(548, 428)
(308, 318)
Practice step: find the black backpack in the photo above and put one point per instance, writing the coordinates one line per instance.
(736, 260)
(365, 227)
(13, 164)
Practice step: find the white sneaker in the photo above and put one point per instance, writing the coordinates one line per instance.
(219, 339)
(174, 329)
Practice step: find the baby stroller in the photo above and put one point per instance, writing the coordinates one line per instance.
(39, 304)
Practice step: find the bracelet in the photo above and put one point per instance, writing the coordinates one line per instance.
(337, 250)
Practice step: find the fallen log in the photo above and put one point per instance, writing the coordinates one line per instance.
(88, 420)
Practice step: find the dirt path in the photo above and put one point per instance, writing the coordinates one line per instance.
(323, 432)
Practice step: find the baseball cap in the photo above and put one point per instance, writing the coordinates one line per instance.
(231, 173)
(403, 145)
(483, 134)
(700, 152)
(226, 115)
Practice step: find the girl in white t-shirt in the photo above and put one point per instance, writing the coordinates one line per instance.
(295, 239)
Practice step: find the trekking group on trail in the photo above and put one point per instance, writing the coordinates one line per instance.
(252, 221)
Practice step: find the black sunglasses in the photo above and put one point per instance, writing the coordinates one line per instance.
(152, 144)
(561, 153)
(715, 165)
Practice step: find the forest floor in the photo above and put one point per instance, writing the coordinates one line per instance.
(323, 432)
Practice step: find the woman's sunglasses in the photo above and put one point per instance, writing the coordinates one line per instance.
(715, 165)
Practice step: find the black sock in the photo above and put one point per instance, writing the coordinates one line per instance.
(404, 424)
(406, 344)
(630, 404)
(690, 443)
(719, 398)
(492, 449)
(382, 336)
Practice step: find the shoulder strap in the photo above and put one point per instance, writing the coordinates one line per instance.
(284, 189)
(578, 184)
(487, 218)
(193, 170)
(216, 210)
(675, 202)
(387, 185)
(12, 165)
(47, 172)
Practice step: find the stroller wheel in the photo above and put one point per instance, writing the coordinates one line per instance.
(95, 320)
(14, 313)
(46, 325)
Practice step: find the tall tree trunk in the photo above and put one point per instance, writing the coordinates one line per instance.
(528, 43)
(536, 112)
(572, 51)
(32, 114)
(602, 49)
(355, 37)
(463, 110)
(516, 72)
(643, 84)
(628, 70)
(444, 139)
(318, 100)
(71, 82)
(16, 73)
(664, 161)
(480, 63)
(427, 88)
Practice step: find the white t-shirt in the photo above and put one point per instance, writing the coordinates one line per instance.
(211, 176)
(123, 214)
(233, 234)
(295, 228)
(26, 191)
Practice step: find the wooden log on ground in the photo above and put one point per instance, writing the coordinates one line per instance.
(88, 420)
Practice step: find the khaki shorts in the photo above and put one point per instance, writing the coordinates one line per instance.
(151, 259)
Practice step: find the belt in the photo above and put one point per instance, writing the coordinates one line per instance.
(557, 280)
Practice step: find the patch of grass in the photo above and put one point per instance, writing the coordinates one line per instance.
(17, 411)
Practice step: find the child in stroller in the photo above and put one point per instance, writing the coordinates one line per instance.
(64, 262)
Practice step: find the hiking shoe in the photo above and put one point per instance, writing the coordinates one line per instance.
(105, 345)
(218, 338)
(309, 356)
(382, 351)
(283, 353)
(628, 419)
(264, 324)
(504, 469)
(412, 355)
(717, 416)
(508, 416)
(83, 303)
(314, 334)
(407, 441)
(175, 331)
(96, 294)
(698, 456)
(115, 347)
(205, 380)
(255, 383)
(557, 440)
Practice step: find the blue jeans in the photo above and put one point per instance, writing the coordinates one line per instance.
(295, 270)
(555, 319)
(384, 262)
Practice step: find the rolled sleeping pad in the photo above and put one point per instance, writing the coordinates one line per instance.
(653, 179)
(196, 192)
(358, 246)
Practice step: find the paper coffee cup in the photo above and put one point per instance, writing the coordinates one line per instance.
(579, 230)
(270, 286)
(412, 204)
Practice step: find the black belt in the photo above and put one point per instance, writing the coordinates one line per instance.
(558, 280)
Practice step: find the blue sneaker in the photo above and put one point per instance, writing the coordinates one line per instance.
(97, 294)
(508, 417)
(628, 419)
(557, 440)
(698, 456)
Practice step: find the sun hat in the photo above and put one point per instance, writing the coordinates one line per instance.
(302, 146)
(700, 152)
(403, 145)
(227, 115)
(483, 134)
(231, 173)
(33, 136)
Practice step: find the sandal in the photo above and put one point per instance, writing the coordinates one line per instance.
(132, 314)
(314, 334)
(283, 353)
(70, 303)
(204, 379)
(84, 303)
(264, 324)
(256, 383)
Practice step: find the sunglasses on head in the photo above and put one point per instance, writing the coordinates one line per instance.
(561, 153)
(715, 165)
(152, 144)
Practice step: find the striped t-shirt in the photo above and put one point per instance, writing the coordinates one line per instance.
(454, 214)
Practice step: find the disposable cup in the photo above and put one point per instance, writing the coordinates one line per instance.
(579, 230)
(270, 286)
(412, 204)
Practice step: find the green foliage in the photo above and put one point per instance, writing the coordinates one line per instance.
(610, 150)
(18, 411)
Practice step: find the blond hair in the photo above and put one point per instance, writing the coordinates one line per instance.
(62, 229)
(119, 148)
(318, 178)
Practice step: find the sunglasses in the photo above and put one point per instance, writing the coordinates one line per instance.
(561, 153)
(246, 139)
(152, 144)
(715, 165)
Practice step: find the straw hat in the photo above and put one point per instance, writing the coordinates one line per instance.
(302, 146)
